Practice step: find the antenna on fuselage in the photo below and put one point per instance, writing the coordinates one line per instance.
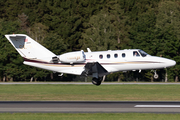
(88, 50)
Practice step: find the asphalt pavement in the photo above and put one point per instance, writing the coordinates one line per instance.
(89, 107)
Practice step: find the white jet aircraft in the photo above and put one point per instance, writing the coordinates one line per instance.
(94, 64)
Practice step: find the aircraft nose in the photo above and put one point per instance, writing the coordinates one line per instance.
(170, 63)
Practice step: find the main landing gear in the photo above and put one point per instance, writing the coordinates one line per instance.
(97, 81)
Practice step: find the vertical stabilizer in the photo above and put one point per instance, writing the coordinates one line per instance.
(27, 47)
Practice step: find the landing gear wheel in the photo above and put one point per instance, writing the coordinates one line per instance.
(155, 75)
(97, 81)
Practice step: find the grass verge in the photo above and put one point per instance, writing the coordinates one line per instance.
(90, 92)
(88, 116)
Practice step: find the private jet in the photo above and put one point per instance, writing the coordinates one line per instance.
(95, 64)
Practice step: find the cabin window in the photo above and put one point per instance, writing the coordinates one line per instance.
(101, 56)
(115, 55)
(123, 55)
(135, 54)
(108, 56)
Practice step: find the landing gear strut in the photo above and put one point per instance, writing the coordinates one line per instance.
(155, 74)
(97, 81)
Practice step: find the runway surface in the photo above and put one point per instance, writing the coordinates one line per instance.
(89, 107)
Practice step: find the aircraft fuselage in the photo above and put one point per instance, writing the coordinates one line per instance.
(112, 61)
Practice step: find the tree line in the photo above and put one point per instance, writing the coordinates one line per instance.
(71, 25)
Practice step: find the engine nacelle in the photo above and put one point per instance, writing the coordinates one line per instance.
(73, 57)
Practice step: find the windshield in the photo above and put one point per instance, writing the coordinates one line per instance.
(144, 54)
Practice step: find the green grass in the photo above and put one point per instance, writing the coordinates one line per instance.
(90, 92)
(88, 116)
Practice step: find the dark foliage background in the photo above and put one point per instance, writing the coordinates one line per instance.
(71, 25)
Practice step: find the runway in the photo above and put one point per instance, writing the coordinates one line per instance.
(89, 107)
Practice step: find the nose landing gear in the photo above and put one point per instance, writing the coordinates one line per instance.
(156, 76)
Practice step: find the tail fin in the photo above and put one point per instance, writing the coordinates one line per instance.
(27, 47)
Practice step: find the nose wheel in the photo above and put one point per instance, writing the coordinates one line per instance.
(156, 76)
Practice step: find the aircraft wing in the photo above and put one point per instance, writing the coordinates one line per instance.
(95, 69)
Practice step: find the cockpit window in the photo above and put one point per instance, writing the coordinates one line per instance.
(144, 54)
(135, 54)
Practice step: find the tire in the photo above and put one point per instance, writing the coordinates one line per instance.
(97, 81)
